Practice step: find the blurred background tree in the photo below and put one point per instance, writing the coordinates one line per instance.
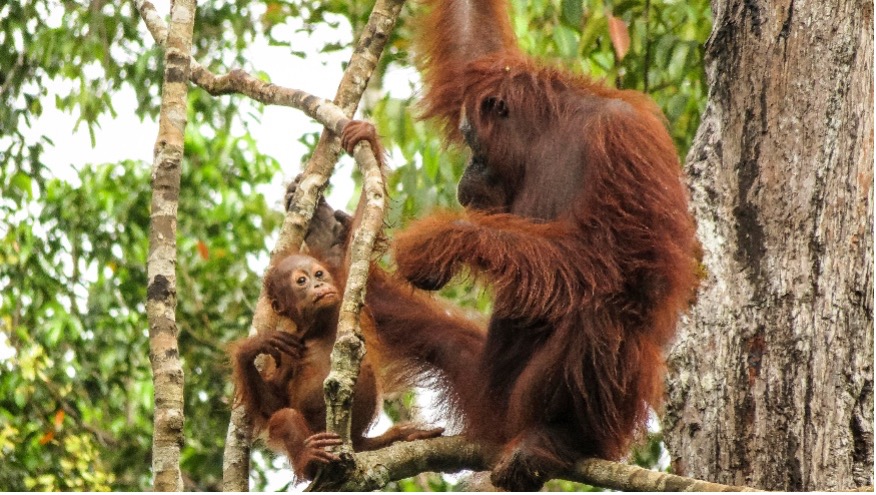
(75, 383)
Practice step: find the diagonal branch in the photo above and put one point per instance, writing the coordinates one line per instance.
(241, 82)
(362, 64)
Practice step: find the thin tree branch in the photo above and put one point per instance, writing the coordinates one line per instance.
(235, 458)
(330, 114)
(161, 294)
(625, 477)
(353, 83)
(349, 349)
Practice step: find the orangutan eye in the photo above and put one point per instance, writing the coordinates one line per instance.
(301, 280)
(319, 274)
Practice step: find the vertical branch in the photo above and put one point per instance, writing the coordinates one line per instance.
(161, 264)
(235, 460)
(349, 350)
(316, 174)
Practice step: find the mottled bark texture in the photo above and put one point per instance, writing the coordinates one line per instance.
(771, 382)
(167, 437)
(349, 348)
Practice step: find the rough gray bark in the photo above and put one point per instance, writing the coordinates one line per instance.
(771, 382)
(349, 348)
(167, 372)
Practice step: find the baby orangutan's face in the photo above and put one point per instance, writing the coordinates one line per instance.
(314, 287)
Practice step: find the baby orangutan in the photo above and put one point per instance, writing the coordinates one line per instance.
(288, 400)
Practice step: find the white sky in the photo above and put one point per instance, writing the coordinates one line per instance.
(126, 137)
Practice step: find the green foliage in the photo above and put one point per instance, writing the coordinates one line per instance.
(67, 334)
(665, 57)
(647, 455)
(74, 269)
(75, 380)
(424, 170)
(568, 486)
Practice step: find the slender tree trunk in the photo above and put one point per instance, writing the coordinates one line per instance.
(771, 380)
(167, 437)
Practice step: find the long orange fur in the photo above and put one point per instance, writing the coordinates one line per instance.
(581, 228)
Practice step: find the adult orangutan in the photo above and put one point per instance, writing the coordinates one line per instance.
(577, 217)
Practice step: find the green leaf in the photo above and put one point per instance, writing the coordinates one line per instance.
(24, 183)
(566, 41)
(573, 12)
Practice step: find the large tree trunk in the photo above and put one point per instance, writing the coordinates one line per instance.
(771, 382)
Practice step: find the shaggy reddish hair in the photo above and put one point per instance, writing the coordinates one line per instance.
(578, 219)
